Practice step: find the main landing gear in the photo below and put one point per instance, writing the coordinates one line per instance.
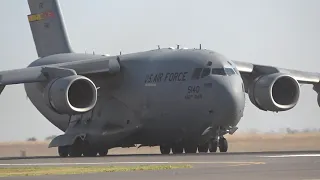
(220, 143)
(79, 148)
(211, 146)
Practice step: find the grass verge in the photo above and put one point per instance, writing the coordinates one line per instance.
(40, 171)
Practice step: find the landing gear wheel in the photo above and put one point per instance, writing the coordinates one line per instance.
(165, 149)
(74, 152)
(177, 149)
(103, 152)
(190, 148)
(203, 148)
(76, 149)
(63, 151)
(223, 144)
(213, 146)
(90, 152)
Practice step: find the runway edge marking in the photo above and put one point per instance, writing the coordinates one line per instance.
(109, 163)
(292, 155)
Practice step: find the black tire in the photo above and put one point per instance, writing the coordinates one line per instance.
(76, 149)
(103, 152)
(63, 151)
(75, 152)
(177, 149)
(213, 146)
(90, 152)
(223, 145)
(164, 149)
(190, 149)
(203, 148)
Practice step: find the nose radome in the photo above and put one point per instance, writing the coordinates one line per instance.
(237, 100)
(231, 101)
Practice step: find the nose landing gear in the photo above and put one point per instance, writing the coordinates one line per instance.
(223, 144)
(220, 143)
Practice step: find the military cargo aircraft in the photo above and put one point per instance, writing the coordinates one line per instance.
(182, 100)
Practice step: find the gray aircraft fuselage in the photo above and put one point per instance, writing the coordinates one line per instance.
(169, 93)
(182, 100)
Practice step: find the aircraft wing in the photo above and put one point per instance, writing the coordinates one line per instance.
(258, 78)
(47, 72)
(250, 71)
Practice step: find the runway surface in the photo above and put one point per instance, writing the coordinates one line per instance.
(235, 166)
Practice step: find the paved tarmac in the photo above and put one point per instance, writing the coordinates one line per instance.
(235, 166)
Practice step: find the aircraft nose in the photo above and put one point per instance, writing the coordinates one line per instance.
(230, 101)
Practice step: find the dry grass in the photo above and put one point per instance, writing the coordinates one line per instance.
(39, 171)
(274, 142)
(239, 142)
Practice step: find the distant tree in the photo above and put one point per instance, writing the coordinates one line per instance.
(50, 137)
(307, 130)
(291, 131)
(32, 139)
(254, 131)
(272, 132)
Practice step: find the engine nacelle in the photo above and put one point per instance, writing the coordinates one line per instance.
(274, 92)
(71, 95)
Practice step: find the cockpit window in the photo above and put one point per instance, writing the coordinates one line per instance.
(229, 71)
(205, 72)
(218, 71)
(196, 73)
(234, 67)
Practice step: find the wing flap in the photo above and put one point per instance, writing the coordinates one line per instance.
(24, 75)
(46, 72)
(93, 66)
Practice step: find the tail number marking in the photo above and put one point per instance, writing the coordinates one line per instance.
(193, 93)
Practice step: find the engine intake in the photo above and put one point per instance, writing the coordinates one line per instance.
(274, 92)
(71, 95)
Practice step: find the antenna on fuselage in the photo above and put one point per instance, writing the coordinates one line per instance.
(200, 46)
(178, 46)
(158, 46)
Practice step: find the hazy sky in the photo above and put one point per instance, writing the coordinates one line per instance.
(283, 33)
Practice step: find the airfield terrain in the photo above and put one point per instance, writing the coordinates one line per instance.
(239, 142)
(299, 159)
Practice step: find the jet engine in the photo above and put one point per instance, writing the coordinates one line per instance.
(274, 92)
(71, 95)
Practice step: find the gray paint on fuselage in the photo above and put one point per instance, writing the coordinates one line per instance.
(159, 105)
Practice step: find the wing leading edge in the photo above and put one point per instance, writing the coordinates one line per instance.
(47, 72)
(255, 70)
